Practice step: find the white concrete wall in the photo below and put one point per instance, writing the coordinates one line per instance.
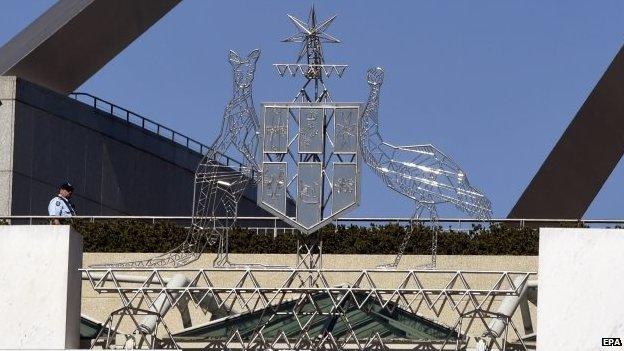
(40, 287)
(7, 131)
(581, 288)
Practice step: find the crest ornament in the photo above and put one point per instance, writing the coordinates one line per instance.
(314, 161)
(310, 150)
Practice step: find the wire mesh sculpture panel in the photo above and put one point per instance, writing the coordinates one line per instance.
(218, 187)
(420, 172)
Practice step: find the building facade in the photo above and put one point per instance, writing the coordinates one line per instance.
(119, 163)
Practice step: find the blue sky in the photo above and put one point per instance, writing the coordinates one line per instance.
(492, 83)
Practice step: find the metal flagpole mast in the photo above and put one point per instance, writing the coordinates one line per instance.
(311, 65)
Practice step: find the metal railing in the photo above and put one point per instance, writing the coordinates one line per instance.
(259, 222)
(113, 110)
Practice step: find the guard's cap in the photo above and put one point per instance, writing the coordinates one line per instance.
(66, 186)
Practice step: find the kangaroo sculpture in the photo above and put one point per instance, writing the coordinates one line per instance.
(218, 187)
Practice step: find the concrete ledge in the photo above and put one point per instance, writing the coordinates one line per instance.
(580, 288)
(40, 287)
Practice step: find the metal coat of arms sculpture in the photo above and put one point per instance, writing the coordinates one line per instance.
(310, 153)
(304, 157)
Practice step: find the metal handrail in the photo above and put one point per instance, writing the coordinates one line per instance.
(279, 224)
(149, 125)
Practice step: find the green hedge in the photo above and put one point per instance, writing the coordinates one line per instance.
(138, 236)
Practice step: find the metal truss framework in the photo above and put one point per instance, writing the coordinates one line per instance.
(466, 296)
(422, 173)
(293, 69)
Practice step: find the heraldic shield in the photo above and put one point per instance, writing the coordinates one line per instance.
(310, 156)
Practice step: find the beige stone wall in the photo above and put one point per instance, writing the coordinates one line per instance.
(98, 306)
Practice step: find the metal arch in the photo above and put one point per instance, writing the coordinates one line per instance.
(74, 39)
(217, 187)
(422, 173)
(584, 157)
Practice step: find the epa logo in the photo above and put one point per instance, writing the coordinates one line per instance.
(611, 342)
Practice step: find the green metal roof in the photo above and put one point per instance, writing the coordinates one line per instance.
(89, 328)
(391, 322)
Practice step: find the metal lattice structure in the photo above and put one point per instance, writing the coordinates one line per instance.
(218, 188)
(463, 298)
(422, 173)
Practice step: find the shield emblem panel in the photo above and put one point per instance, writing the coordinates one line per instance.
(345, 188)
(273, 186)
(275, 132)
(346, 130)
(311, 130)
(309, 201)
(310, 157)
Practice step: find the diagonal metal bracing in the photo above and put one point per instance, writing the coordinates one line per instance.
(584, 157)
(73, 39)
(465, 297)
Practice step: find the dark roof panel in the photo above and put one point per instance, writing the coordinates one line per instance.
(390, 322)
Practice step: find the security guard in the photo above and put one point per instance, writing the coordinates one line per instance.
(60, 205)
